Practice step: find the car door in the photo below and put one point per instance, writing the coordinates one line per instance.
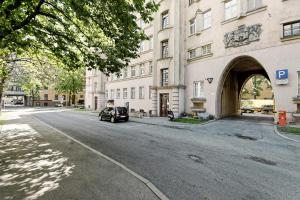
(109, 113)
(104, 114)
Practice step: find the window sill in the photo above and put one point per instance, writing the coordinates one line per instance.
(163, 29)
(165, 58)
(256, 10)
(200, 57)
(288, 38)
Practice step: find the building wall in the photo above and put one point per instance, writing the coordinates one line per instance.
(271, 51)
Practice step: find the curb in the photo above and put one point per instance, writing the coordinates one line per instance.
(283, 136)
(181, 126)
(150, 185)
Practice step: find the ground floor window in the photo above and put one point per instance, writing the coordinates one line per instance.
(112, 94)
(142, 92)
(125, 93)
(118, 94)
(198, 89)
(132, 93)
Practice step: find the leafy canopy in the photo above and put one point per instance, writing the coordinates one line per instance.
(101, 34)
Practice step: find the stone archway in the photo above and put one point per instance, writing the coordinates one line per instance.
(232, 80)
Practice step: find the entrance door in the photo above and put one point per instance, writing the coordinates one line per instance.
(164, 105)
(96, 103)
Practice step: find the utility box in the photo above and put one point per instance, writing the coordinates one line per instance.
(282, 118)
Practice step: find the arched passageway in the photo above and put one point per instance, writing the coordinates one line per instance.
(233, 79)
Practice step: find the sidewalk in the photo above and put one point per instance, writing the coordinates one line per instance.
(37, 162)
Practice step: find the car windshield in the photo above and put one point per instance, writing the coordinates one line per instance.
(121, 109)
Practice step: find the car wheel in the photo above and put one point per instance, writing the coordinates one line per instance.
(112, 120)
(100, 118)
(126, 120)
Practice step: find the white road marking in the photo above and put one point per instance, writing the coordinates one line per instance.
(150, 185)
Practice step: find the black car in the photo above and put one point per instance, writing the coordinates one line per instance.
(114, 114)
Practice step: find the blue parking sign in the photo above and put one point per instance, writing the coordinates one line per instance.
(282, 74)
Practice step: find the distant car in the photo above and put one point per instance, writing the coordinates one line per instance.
(59, 105)
(267, 109)
(247, 110)
(114, 114)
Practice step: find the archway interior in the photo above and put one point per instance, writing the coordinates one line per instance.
(240, 71)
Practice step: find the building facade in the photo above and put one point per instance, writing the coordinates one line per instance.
(204, 51)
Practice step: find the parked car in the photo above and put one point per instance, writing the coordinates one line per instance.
(114, 114)
(247, 110)
(267, 109)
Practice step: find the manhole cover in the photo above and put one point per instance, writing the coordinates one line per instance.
(245, 137)
(196, 158)
(262, 160)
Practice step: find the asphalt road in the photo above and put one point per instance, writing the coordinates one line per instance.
(223, 160)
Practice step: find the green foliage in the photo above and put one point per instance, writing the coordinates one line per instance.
(100, 34)
(257, 81)
(70, 82)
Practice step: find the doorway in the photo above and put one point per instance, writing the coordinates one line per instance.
(164, 105)
(96, 103)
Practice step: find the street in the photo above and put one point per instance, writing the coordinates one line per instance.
(225, 159)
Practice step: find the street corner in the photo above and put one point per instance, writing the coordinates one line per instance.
(29, 166)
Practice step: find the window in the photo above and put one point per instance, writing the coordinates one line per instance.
(125, 93)
(106, 94)
(206, 49)
(192, 26)
(45, 96)
(151, 43)
(150, 67)
(164, 77)
(133, 71)
(125, 73)
(141, 46)
(231, 9)
(253, 4)
(132, 93)
(150, 93)
(164, 49)
(198, 89)
(299, 83)
(56, 97)
(192, 53)
(207, 19)
(191, 2)
(165, 19)
(141, 92)
(291, 29)
(142, 70)
(118, 94)
(112, 94)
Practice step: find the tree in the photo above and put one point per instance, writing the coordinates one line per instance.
(100, 34)
(71, 82)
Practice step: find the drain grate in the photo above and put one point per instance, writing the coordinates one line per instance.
(262, 160)
(196, 158)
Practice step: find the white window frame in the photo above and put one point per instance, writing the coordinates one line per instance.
(230, 9)
(192, 26)
(112, 93)
(141, 92)
(206, 49)
(125, 93)
(253, 4)
(133, 71)
(192, 53)
(164, 49)
(142, 69)
(165, 19)
(118, 94)
(207, 19)
(198, 89)
(132, 93)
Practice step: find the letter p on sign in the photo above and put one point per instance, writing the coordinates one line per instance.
(282, 74)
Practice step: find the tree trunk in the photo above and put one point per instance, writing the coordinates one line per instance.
(1, 91)
(69, 100)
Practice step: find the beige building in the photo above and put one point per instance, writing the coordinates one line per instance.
(203, 52)
(48, 96)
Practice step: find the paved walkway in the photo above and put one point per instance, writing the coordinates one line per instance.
(36, 162)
